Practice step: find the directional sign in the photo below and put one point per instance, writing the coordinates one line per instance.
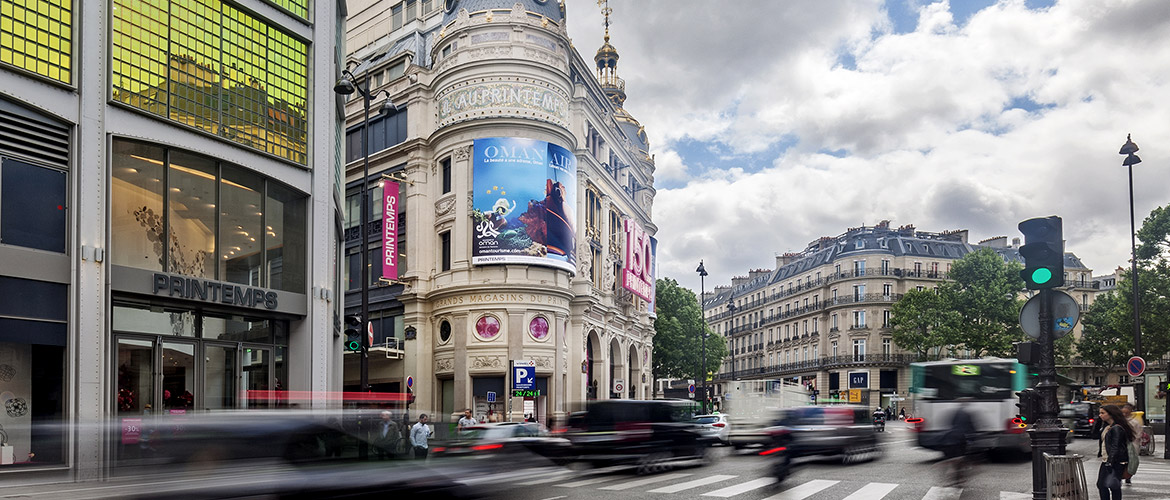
(1136, 366)
(1065, 314)
(523, 377)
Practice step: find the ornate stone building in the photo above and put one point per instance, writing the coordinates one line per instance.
(823, 314)
(521, 264)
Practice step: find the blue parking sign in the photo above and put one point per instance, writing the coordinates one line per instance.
(524, 377)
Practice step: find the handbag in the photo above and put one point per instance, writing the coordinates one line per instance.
(1131, 467)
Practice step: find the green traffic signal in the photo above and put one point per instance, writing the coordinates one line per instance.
(353, 345)
(1041, 275)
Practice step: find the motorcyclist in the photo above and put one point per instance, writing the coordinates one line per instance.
(879, 419)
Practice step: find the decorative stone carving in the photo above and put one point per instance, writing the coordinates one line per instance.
(444, 365)
(584, 260)
(486, 362)
(608, 276)
(463, 153)
(444, 206)
(518, 11)
(544, 362)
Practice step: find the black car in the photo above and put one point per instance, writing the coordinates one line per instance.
(845, 431)
(1079, 417)
(506, 445)
(651, 434)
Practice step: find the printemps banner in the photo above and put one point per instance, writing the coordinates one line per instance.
(525, 198)
(638, 269)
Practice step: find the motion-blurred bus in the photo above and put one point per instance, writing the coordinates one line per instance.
(988, 389)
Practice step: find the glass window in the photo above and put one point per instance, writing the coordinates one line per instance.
(299, 8)
(286, 222)
(178, 371)
(136, 217)
(32, 206)
(255, 366)
(241, 219)
(445, 166)
(156, 321)
(237, 329)
(191, 211)
(353, 270)
(445, 251)
(37, 36)
(219, 383)
(212, 66)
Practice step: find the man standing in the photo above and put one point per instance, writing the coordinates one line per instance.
(1135, 423)
(386, 434)
(466, 421)
(418, 437)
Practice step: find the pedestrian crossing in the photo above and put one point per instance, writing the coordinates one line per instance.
(1151, 483)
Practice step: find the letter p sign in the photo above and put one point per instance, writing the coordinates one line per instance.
(523, 378)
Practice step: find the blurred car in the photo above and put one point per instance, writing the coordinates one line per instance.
(1079, 417)
(751, 433)
(846, 431)
(507, 444)
(263, 454)
(654, 435)
(715, 426)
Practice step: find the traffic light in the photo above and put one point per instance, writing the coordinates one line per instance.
(1027, 353)
(1027, 405)
(353, 333)
(1043, 253)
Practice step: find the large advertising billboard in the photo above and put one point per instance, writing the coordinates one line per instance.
(638, 269)
(524, 203)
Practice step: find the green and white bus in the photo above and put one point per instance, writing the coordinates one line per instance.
(987, 387)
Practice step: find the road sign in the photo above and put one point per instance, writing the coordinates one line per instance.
(619, 386)
(409, 382)
(1136, 366)
(370, 333)
(491, 396)
(523, 377)
(691, 388)
(1065, 314)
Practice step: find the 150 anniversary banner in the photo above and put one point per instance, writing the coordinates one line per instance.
(525, 199)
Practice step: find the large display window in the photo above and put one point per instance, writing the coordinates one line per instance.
(192, 215)
(33, 336)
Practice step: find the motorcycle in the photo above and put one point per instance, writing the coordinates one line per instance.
(879, 423)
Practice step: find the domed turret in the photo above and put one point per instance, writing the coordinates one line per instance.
(552, 9)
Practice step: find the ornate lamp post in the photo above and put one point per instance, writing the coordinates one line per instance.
(1128, 149)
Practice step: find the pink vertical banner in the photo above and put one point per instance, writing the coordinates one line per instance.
(390, 230)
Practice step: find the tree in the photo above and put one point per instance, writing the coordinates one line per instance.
(984, 293)
(978, 309)
(678, 344)
(1107, 339)
(916, 320)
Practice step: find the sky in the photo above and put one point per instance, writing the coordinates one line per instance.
(774, 123)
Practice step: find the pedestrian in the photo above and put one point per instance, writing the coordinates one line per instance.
(958, 436)
(385, 435)
(902, 414)
(889, 411)
(1114, 439)
(465, 421)
(418, 437)
(1135, 423)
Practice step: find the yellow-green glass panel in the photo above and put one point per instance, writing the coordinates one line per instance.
(36, 36)
(299, 8)
(214, 67)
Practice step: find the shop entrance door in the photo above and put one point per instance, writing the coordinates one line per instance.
(166, 376)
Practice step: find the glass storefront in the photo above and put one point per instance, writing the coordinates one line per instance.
(32, 371)
(171, 362)
(222, 222)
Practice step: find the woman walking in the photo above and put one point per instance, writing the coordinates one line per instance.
(1115, 456)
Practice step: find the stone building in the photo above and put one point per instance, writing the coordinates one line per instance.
(524, 232)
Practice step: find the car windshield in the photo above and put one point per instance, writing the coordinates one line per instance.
(706, 420)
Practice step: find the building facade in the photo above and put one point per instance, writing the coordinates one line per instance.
(158, 190)
(822, 316)
(525, 213)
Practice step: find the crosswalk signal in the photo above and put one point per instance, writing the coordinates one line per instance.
(353, 333)
(1043, 252)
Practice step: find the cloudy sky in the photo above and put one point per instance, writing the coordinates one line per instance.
(774, 123)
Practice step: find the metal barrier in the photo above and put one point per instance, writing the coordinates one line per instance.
(1066, 477)
(1146, 442)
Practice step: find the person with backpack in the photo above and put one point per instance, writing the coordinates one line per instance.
(1116, 439)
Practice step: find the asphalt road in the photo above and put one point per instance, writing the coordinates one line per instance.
(902, 472)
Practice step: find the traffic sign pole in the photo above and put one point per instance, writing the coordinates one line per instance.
(1048, 435)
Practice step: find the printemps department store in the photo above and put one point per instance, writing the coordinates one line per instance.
(169, 218)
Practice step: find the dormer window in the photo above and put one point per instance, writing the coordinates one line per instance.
(859, 244)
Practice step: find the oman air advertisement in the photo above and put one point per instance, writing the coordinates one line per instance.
(524, 203)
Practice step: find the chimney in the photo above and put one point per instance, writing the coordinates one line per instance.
(756, 273)
(994, 242)
(785, 258)
(1015, 243)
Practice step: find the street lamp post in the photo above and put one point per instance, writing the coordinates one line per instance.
(1128, 149)
(731, 316)
(703, 368)
(346, 86)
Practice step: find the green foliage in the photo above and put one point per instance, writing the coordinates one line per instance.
(978, 309)
(1107, 338)
(678, 342)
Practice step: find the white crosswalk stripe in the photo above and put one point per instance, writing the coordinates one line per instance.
(675, 488)
(586, 482)
(872, 491)
(804, 490)
(940, 493)
(1014, 495)
(731, 491)
(643, 482)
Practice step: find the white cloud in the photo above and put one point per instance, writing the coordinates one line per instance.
(921, 117)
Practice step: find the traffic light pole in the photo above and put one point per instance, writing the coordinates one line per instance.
(1048, 435)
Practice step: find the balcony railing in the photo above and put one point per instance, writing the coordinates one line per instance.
(828, 362)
